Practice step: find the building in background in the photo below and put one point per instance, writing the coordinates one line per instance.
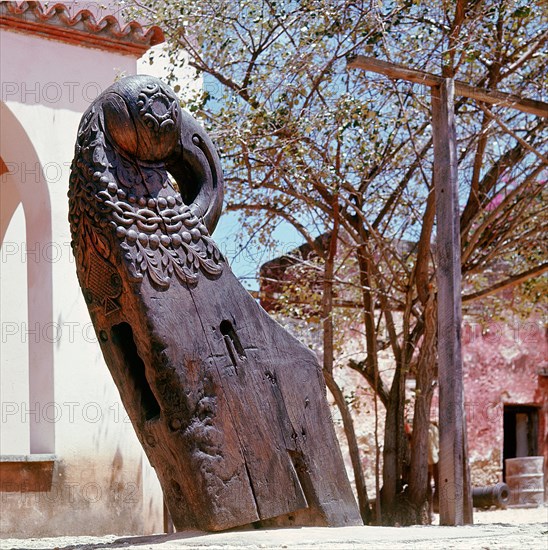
(505, 371)
(70, 462)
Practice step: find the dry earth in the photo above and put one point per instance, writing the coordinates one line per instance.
(519, 529)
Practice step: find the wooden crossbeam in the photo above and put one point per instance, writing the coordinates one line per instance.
(392, 70)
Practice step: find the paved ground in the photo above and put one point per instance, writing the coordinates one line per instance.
(516, 529)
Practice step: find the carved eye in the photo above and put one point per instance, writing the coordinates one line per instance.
(157, 108)
(115, 280)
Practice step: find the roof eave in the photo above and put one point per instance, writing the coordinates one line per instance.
(82, 29)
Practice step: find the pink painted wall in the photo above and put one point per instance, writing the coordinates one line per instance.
(502, 362)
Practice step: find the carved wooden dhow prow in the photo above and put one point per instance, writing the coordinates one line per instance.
(230, 408)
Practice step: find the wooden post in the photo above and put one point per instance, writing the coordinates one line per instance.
(494, 97)
(454, 471)
(455, 508)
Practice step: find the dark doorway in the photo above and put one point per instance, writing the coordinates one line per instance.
(520, 432)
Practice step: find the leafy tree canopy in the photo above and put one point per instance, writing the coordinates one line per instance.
(299, 132)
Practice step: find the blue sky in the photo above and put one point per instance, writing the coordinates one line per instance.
(246, 258)
(245, 262)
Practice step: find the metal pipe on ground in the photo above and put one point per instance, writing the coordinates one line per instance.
(491, 495)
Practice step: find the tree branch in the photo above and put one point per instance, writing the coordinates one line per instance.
(507, 283)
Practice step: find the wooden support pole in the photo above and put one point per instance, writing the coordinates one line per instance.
(455, 494)
(454, 471)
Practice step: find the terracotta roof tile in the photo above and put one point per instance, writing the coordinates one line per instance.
(56, 22)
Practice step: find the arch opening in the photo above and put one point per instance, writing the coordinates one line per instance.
(25, 232)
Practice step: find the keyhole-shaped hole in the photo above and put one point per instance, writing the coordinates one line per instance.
(232, 341)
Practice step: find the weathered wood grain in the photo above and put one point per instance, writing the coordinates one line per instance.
(455, 497)
(230, 409)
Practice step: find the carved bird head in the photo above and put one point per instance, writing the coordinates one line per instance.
(143, 117)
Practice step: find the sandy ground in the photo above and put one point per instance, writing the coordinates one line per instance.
(520, 529)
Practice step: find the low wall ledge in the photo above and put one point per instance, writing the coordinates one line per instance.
(30, 473)
(29, 458)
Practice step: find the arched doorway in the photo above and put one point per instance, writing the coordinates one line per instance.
(27, 313)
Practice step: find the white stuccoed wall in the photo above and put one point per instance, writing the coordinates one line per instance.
(102, 480)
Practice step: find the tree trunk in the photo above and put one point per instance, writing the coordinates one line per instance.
(353, 448)
(426, 373)
(328, 360)
(394, 448)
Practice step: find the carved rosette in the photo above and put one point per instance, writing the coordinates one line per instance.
(136, 201)
(158, 110)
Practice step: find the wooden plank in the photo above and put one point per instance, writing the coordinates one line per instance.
(451, 398)
(392, 70)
